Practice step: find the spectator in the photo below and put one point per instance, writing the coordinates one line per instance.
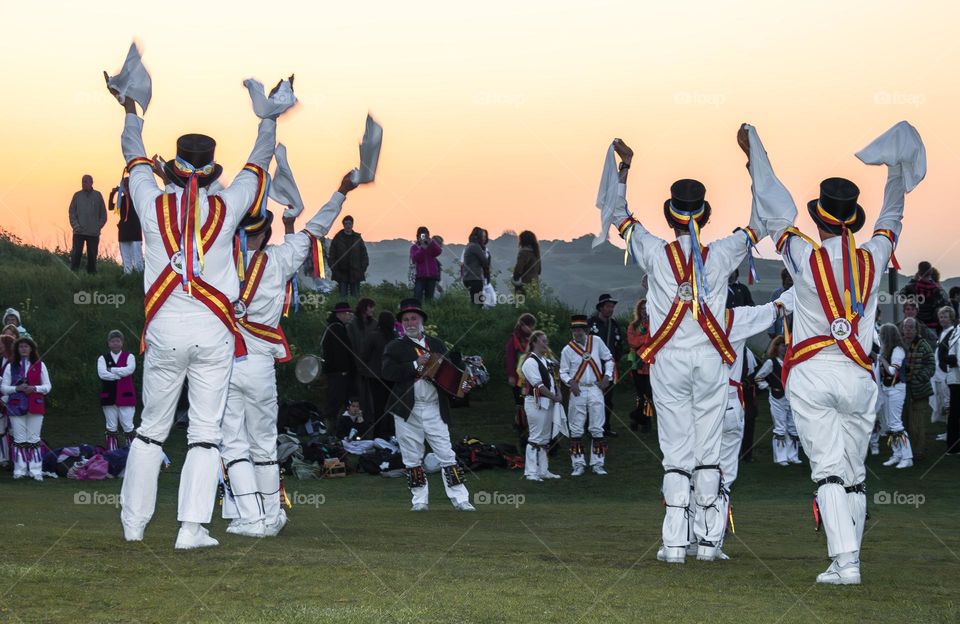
(738, 295)
(918, 369)
(603, 324)
(351, 425)
(516, 346)
(26, 383)
(358, 327)
(339, 362)
(786, 284)
(475, 266)
(129, 232)
(423, 256)
(348, 259)
(88, 215)
(947, 351)
(6, 356)
(638, 337)
(926, 292)
(910, 310)
(955, 299)
(12, 317)
(893, 395)
(940, 402)
(526, 272)
(374, 344)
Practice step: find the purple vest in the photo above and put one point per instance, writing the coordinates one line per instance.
(120, 393)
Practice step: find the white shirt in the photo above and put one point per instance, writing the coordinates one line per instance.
(570, 363)
(117, 372)
(283, 261)
(423, 390)
(7, 387)
(219, 269)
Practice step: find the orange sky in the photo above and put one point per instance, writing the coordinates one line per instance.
(495, 114)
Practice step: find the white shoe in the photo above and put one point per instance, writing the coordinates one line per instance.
(419, 507)
(892, 461)
(692, 549)
(672, 555)
(577, 471)
(941, 437)
(549, 475)
(464, 506)
(273, 529)
(905, 463)
(37, 477)
(722, 556)
(196, 537)
(133, 533)
(599, 470)
(19, 475)
(841, 575)
(796, 461)
(706, 552)
(532, 477)
(783, 463)
(247, 529)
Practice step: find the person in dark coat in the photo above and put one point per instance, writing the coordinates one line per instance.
(476, 266)
(339, 361)
(603, 324)
(526, 272)
(738, 295)
(129, 231)
(358, 327)
(374, 344)
(348, 259)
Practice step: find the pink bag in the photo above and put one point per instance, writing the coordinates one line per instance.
(94, 469)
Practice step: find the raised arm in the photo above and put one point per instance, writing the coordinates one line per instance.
(642, 245)
(141, 184)
(773, 209)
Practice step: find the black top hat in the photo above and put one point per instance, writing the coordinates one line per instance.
(341, 306)
(837, 206)
(605, 298)
(578, 320)
(411, 305)
(686, 200)
(255, 225)
(197, 151)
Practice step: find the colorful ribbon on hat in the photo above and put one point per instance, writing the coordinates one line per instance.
(190, 221)
(852, 296)
(752, 240)
(700, 288)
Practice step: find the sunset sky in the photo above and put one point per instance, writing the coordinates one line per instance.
(496, 113)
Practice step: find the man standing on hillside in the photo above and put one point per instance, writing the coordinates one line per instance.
(88, 215)
(603, 325)
(348, 259)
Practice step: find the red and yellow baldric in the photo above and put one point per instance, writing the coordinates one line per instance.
(248, 290)
(835, 308)
(291, 293)
(728, 315)
(587, 360)
(683, 273)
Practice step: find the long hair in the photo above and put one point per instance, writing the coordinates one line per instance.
(6, 346)
(362, 305)
(533, 338)
(386, 324)
(635, 323)
(890, 339)
(476, 235)
(422, 230)
(773, 346)
(33, 357)
(529, 239)
(526, 319)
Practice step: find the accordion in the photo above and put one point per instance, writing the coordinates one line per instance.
(446, 376)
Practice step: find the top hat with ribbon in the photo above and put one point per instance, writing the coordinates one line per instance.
(837, 206)
(411, 305)
(686, 202)
(578, 321)
(194, 156)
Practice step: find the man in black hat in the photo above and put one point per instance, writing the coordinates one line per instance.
(689, 352)
(830, 383)
(190, 330)
(339, 360)
(421, 409)
(603, 324)
(586, 367)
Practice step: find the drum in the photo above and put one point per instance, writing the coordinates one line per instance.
(307, 369)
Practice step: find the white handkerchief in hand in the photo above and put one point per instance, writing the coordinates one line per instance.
(133, 81)
(283, 188)
(770, 196)
(607, 195)
(900, 145)
(273, 106)
(369, 152)
(560, 426)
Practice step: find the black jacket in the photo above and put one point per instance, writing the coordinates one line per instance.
(348, 257)
(609, 333)
(398, 359)
(372, 354)
(338, 354)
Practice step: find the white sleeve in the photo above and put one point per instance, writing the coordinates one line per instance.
(248, 185)
(103, 372)
(127, 370)
(6, 384)
(142, 184)
(896, 360)
(531, 372)
(566, 365)
(607, 358)
(752, 320)
(765, 370)
(296, 247)
(890, 218)
(729, 252)
(643, 245)
(45, 386)
(773, 206)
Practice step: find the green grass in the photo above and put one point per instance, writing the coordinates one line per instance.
(574, 551)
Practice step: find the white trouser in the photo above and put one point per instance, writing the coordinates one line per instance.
(26, 431)
(690, 395)
(200, 349)
(893, 399)
(587, 410)
(425, 425)
(540, 422)
(115, 415)
(940, 399)
(249, 432)
(131, 253)
(834, 406)
(4, 433)
(786, 447)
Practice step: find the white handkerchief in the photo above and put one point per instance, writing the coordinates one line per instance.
(133, 81)
(273, 106)
(283, 188)
(369, 152)
(560, 427)
(607, 195)
(770, 196)
(900, 145)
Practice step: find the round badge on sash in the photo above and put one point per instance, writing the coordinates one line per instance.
(840, 328)
(586, 357)
(176, 263)
(685, 292)
(239, 309)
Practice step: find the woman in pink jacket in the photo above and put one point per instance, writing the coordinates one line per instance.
(423, 256)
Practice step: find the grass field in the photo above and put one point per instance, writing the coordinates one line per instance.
(575, 550)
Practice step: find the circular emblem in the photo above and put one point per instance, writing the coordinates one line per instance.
(176, 263)
(586, 357)
(685, 292)
(239, 309)
(840, 328)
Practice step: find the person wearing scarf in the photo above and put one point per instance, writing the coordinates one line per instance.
(25, 384)
(830, 385)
